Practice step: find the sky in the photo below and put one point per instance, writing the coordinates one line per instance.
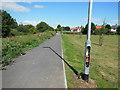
(71, 14)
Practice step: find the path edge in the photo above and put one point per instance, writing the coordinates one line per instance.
(63, 64)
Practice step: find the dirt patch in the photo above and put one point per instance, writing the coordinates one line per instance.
(80, 83)
(90, 84)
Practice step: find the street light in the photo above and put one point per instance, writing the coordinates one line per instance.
(88, 45)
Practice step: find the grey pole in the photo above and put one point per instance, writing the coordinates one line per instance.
(88, 45)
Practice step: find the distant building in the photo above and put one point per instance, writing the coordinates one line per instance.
(114, 28)
(77, 29)
(98, 26)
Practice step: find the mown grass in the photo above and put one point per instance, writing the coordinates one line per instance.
(13, 47)
(104, 59)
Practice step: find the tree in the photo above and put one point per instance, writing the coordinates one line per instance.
(67, 28)
(59, 26)
(26, 29)
(118, 30)
(30, 29)
(21, 28)
(42, 26)
(103, 31)
(108, 26)
(50, 28)
(93, 27)
(82, 29)
(8, 23)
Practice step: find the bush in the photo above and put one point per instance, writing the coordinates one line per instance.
(13, 47)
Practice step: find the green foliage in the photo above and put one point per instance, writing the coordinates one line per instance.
(8, 23)
(42, 26)
(108, 26)
(93, 27)
(15, 32)
(21, 28)
(13, 47)
(118, 30)
(67, 28)
(59, 26)
(27, 29)
(30, 29)
(51, 28)
(10, 26)
(82, 30)
(103, 30)
(97, 32)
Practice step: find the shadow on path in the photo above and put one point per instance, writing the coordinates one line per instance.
(75, 71)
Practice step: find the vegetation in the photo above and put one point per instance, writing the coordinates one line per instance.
(104, 60)
(93, 27)
(59, 28)
(11, 28)
(95, 31)
(25, 29)
(108, 26)
(8, 23)
(67, 28)
(15, 46)
(42, 27)
(118, 30)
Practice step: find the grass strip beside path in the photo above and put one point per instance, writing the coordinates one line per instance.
(15, 46)
(104, 60)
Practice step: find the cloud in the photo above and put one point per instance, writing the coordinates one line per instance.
(115, 20)
(38, 6)
(29, 2)
(93, 19)
(29, 22)
(13, 7)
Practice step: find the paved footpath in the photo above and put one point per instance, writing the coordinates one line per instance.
(41, 67)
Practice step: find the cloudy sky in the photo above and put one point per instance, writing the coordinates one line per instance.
(65, 13)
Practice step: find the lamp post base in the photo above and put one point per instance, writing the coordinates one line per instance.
(85, 77)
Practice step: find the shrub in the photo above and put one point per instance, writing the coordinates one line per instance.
(13, 47)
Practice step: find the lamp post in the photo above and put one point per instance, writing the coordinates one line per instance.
(88, 45)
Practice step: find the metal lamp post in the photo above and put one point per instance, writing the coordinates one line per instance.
(88, 45)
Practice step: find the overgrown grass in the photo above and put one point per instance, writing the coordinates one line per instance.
(104, 59)
(13, 47)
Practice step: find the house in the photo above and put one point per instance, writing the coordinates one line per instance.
(114, 28)
(76, 29)
(98, 26)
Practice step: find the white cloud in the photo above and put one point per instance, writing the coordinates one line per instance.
(38, 6)
(29, 2)
(115, 20)
(29, 22)
(93, 19)
(13, 7)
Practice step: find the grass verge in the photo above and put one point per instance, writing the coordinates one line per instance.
(104, 60)
(13, 47)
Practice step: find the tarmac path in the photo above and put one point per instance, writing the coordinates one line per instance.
(41, 67)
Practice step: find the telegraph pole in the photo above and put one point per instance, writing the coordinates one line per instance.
(88, 45)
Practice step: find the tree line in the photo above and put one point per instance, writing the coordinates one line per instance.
(11, 27)
(104, 30)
